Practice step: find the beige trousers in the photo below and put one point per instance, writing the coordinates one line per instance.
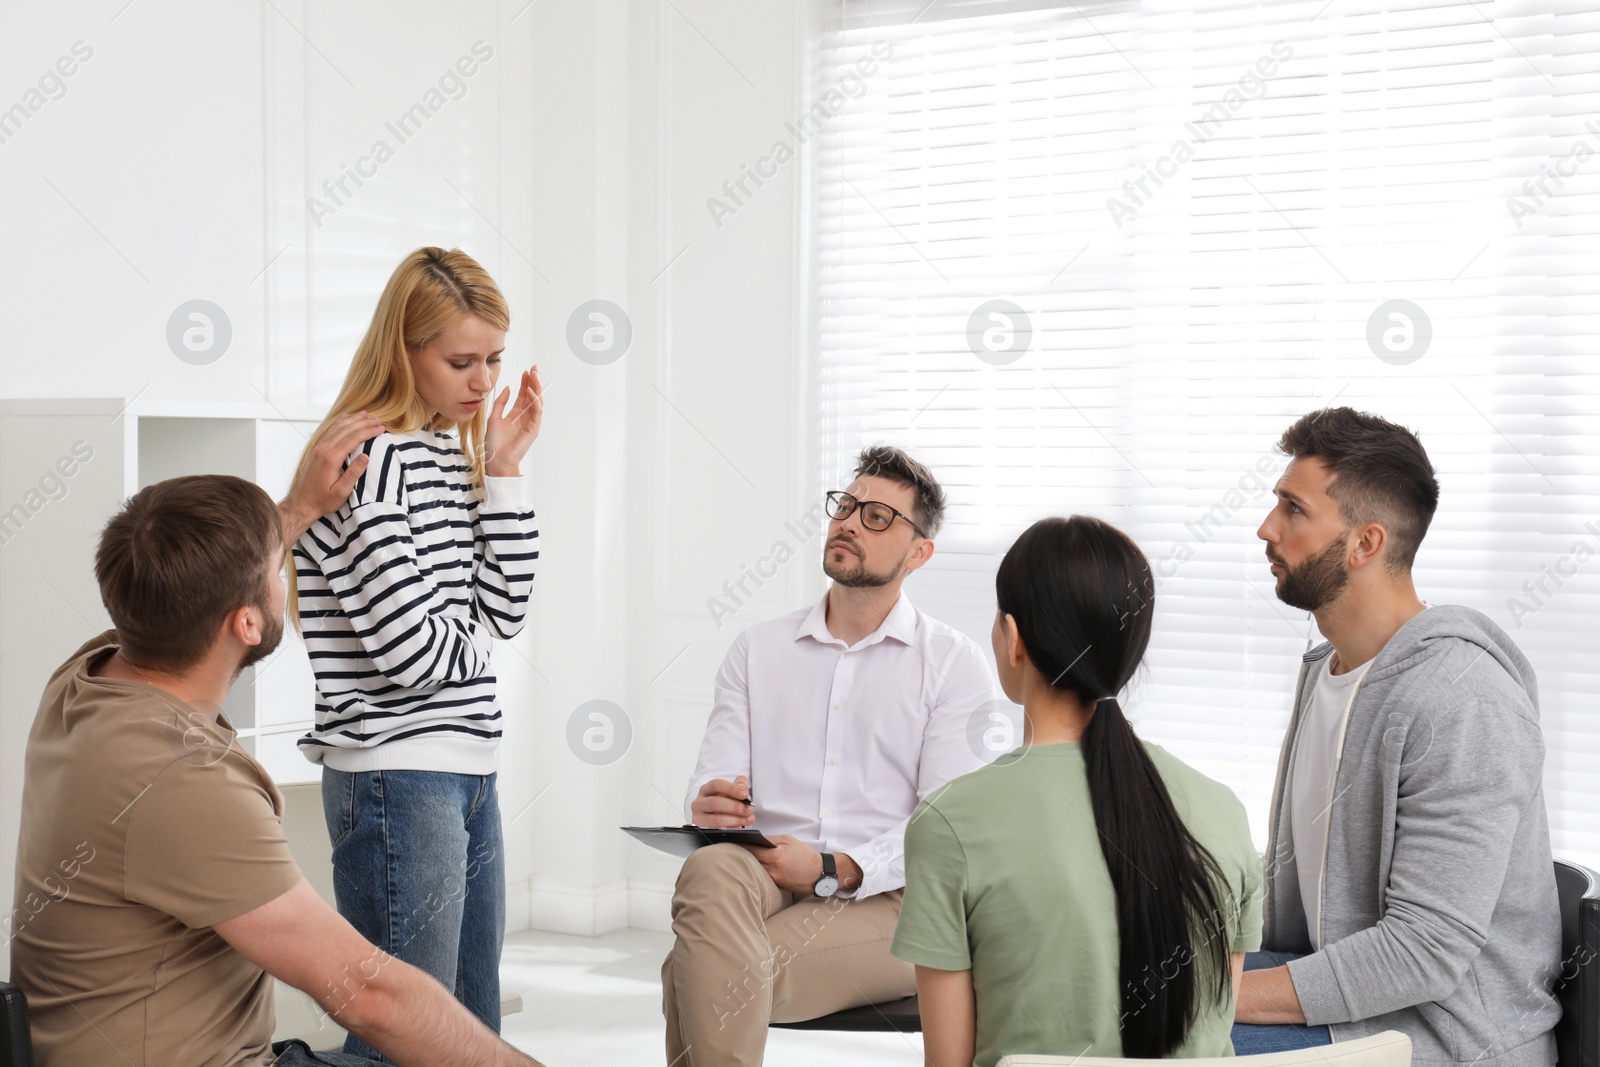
(748, 954)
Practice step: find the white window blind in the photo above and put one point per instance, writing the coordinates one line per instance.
(1198, 208)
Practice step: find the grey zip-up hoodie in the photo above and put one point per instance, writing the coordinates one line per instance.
(1439, 908)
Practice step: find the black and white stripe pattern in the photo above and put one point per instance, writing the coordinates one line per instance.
(401, 593)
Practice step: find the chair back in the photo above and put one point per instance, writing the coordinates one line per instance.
(16, 1039)
(1578, 982)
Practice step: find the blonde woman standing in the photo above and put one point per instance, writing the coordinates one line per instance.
(399, 596)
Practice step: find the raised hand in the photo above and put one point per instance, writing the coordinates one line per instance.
(326, 483)
(508, 435)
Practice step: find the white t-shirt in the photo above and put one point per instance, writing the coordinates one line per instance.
(1311, 781)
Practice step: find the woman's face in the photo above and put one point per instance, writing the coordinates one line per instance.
(456, 372)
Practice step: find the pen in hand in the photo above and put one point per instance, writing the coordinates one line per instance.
(724, 804)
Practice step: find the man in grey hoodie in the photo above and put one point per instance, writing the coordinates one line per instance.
(1409, 883)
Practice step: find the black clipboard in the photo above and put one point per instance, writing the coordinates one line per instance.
(682, 840)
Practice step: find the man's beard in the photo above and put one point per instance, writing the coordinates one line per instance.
(855, 575)
(1317, 581)
(271, 635)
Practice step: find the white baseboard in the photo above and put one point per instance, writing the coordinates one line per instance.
(582, 910)
(517, 907)
(588, 911)
(650, 905)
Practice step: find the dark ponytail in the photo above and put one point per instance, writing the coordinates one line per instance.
(1082, 597)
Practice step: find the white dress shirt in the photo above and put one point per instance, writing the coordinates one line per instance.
(840, 742)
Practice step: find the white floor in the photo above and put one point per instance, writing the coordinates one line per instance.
(597, 1000)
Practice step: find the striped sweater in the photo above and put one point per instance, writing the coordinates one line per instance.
(401, 593)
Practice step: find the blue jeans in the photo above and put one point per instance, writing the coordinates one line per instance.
(419, 870)
(1250, 1040)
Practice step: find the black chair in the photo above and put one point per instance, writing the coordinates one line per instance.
(16, 1039)
(1578, 982)
(894, 1016)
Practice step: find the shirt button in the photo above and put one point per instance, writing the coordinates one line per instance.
(836, 706)
(833, 759)
(827, 815)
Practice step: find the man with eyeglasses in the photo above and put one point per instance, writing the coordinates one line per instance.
(830, 724)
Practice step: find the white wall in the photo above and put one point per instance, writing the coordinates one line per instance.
(177, 165)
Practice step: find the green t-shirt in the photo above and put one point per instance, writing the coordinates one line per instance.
(1005, 877)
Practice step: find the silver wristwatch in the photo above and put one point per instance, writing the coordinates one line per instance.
(828, 884)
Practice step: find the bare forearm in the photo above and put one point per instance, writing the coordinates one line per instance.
(296, 521)
(414, 1021)
(1267, 996)
(949, 1017)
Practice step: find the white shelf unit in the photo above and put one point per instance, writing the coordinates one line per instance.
(145, 442)
(53, 504)
(271, 703)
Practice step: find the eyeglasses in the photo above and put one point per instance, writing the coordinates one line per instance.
(875, 514)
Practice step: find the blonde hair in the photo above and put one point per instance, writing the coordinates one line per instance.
(429, 290)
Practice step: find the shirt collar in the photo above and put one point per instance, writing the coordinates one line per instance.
(900, 624)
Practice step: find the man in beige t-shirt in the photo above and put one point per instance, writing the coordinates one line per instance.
(156, 898)
(143, 825)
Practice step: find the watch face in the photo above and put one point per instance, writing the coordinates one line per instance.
(826, 887)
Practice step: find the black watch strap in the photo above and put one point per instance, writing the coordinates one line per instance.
(828, 868)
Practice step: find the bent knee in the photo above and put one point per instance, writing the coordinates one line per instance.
(717, 861)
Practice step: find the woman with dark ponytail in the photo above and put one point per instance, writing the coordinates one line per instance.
(1086, 894)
